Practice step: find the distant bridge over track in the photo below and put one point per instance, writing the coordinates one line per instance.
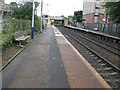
(59, 20)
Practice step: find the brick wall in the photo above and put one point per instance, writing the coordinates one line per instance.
(89, 18)
(101, 17)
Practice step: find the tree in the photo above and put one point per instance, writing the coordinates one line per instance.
(113, 9)
(78, 16)
(70, 17)
(24, 10)
(13, 5)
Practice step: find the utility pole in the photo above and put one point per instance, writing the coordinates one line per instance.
(41, 15)
(32, 31)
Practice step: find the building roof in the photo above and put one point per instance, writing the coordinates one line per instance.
(4, 7)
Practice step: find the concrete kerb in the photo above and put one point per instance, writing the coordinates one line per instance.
(15, 55)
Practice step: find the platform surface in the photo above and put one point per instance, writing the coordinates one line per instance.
(79, 72)
(50, 61)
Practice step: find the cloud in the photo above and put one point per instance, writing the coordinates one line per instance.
(58, 7)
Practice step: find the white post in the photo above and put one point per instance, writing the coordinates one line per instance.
(32, 31)
(41, 14)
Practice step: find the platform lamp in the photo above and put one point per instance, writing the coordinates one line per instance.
(41, 15)
(32, 31)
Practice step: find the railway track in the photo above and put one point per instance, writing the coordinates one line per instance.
(112, 47)
(109, 71)
(107, 52)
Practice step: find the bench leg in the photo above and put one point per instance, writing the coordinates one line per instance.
(20, 44)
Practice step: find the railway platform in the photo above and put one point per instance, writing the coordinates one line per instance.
(98, 33)
(50, 61)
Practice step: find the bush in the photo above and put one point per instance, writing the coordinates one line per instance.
(7, 40)
(37, 23)
(12, 26)
(7, 34)
(27, 27)
(0, 39)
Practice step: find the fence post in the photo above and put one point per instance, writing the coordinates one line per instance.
(118, 30)
(21, 24)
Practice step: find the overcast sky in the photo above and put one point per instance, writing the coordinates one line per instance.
(59, 7)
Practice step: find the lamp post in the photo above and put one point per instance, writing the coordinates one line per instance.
(41, 15)
(32, 31)
(45, 18)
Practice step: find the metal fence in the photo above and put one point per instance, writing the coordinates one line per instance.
(111, 29)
